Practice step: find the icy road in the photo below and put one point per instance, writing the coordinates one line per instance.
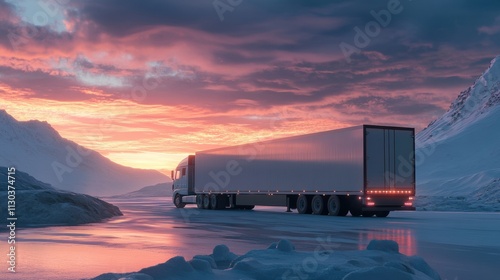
(458, 245)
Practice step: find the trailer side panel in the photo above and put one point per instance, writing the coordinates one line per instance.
(325, 162)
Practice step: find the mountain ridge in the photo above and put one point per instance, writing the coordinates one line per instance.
(35, 147)
(469, 105)
(458, 154)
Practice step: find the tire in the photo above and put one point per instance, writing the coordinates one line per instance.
(214, 202)
(304, 204)
(382, 214)
(206, 201)
(318, 205)
(178, 201)
(217, 202)
(334, 205)
(368, 214)
(199, 201)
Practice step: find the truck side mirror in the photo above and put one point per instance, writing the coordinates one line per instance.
(172, 175)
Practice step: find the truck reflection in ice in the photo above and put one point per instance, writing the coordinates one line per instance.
(404, 237)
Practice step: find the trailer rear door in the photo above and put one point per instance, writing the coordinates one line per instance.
(389, 159)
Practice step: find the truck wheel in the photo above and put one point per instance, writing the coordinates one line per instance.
(334, 205)
(178, 201)
(382, 214)
(206, 201)
(318, 206)
(213, 202)
(368, 213)
(199, 201)
(304, 204)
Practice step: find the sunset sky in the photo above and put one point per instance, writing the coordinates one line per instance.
(147, 82)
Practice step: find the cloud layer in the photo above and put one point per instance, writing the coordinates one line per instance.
(147, 82)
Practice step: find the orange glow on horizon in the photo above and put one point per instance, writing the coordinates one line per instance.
(142, 136)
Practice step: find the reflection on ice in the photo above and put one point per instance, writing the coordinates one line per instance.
(404, 237)
(153, 230)
(40, 260)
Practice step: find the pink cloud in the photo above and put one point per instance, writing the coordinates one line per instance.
(492, 29)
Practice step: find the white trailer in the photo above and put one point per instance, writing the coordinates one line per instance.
(365, 170)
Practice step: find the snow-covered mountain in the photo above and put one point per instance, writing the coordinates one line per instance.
(459, 153)
(160, 190)
(36, 148)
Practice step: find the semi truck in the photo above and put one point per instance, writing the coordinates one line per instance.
(367, 170)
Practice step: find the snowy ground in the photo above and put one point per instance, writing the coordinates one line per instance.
(381, 260)
(480, 201)
(458, 245)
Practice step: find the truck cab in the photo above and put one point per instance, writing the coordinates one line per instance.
(183, 181)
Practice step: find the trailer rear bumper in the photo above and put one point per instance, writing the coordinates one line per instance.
(389, 208)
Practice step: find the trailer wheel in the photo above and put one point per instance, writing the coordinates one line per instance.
(178, 201)
(318, 206)
(199, 201)
(382, 214)
(213, 201)
(217, 202)
(206, 201)
(304, 204)
(334, 206)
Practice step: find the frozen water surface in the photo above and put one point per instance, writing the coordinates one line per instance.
(457, 245)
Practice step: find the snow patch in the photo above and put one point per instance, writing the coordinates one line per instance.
(383, 245)
(39, 204)
(285, 246)
(380, 261)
